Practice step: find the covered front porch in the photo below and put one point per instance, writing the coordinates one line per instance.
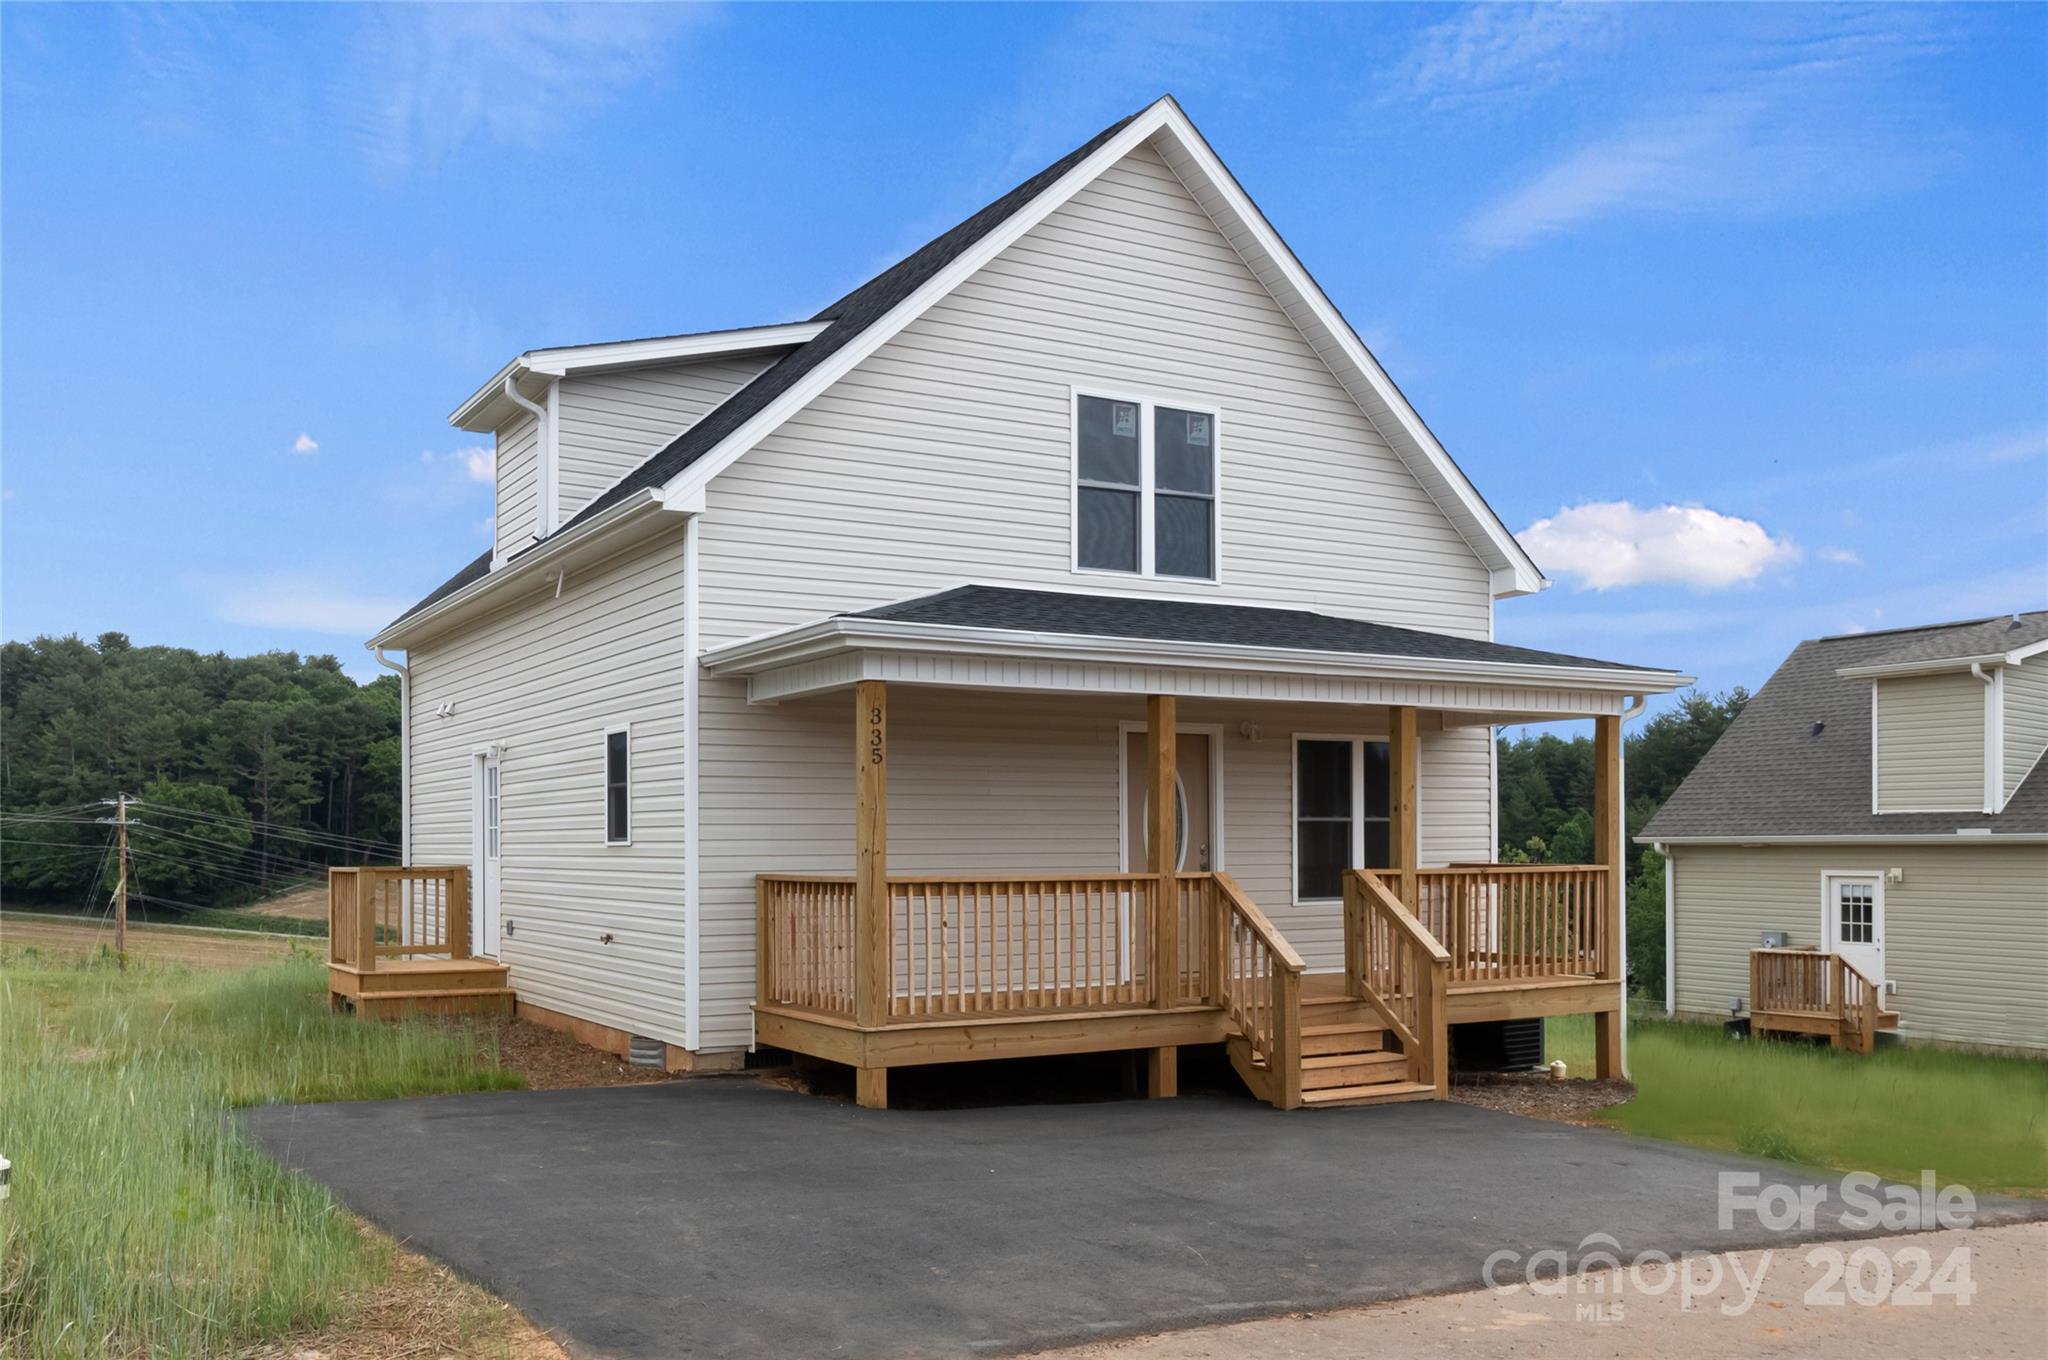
(1168, 948)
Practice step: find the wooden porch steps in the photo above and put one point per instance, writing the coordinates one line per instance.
(1379, 1093)
(398, 987)
(1347, 1057)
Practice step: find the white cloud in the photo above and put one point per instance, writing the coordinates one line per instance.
(295, 602)
(1605, 544)
(427, 79)
(305, 444)
(1842, 557)
(479, 462)
(1488, 54)
(1816, 122)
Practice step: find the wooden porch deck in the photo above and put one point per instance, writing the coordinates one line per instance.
(1807, 991)
(398, 944)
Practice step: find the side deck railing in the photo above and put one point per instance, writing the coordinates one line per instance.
(377, 912)
(1260, 987)
(1516, 922)
(1814, 984)
(1396, 963)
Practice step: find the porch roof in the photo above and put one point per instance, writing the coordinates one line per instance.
(1005, 637)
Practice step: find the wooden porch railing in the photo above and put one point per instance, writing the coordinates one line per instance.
(1516, 922)
(1810, 982)
(392, 911)
(1393, 961)
(1259, 987)
(989, 945)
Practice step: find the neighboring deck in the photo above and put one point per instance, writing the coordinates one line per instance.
(398, 944)
(1807, 991)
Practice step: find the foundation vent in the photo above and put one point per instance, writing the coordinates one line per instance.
(645, 1052)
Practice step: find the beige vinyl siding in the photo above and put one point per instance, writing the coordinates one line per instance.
(607, 424)
(545, 677)
(946, 456)
(2026, 719)
(984, 783)
(518, 483)
(1966, 930)
(1930, 743)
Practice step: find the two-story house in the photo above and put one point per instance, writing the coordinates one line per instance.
(1866, 846)
(1069, 640)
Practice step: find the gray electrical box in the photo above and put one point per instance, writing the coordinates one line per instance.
(1775, 939)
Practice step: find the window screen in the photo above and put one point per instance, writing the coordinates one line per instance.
(617, 788)
(1110, 460)
(1184, 493)
(1145, 488)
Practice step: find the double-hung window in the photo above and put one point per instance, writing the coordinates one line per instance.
(618, 786)
(1145, 478)
(1341, 801)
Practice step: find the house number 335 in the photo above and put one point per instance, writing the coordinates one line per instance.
(874, 736)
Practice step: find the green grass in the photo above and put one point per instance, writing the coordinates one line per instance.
(222, 918)
(140, 1222)
(1975, 1118)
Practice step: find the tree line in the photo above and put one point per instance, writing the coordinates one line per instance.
(253, 772)
(1546, 802)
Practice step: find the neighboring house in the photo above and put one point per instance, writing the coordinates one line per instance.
(1884, 798)
(810, 693)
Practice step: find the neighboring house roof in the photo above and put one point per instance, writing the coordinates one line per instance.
(1775, 774)
(902, 291)
(1956, 645)
(1155, 620)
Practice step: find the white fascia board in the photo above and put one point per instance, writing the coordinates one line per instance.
(1931, 667)
(1966, 836)
(1439, 476)
(474, 414)
(835, 636)
(552, 552)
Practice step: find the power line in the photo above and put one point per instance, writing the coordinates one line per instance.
(278, 829)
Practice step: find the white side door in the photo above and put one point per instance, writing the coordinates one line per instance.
(488, 848)
(1853, 904)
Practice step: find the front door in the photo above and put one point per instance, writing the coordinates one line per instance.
(1192, 816)
(484, 913)
(1855, 920)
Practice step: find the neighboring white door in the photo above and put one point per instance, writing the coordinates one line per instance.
(1854, 905)
(484, 913)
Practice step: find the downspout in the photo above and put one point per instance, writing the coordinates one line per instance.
(404, 674)
(543, 458)
(1634, 710)
(1994, 738)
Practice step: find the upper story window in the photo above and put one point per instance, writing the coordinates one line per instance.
(1145, 477)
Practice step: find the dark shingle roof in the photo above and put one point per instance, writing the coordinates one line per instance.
(1978, 637)
(1121, 616)
(1771, 774)
(849, 316)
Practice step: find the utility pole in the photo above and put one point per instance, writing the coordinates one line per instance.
(121, 884)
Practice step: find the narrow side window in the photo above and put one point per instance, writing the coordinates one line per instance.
(618, 786)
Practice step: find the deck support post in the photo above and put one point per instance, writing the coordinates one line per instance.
(1609, 852)
(1403, 765)
(1162, 843)
(872, 974)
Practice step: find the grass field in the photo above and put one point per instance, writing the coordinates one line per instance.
(1975, 1118)
(140, 1223)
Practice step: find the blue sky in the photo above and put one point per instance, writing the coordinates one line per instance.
(1738, 315)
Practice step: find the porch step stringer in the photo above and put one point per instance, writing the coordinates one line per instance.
(1348, 1057)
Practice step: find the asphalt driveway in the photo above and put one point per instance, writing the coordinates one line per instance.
(732, 1219)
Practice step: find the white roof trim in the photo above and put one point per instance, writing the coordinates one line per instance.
(1936, 665)
(827, 638)
(479, 412)
(1966, 836)
(1513, 571)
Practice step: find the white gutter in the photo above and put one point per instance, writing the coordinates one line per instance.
(1933, 667)
(828, 637)
(1994, 736)
(524, 565)
(1967, 835)
(404, 674)
(544, 455)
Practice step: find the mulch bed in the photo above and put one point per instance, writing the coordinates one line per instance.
(1540, 1096)
(551, 1060)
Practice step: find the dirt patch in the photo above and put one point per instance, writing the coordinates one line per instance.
(191, 946)
(421, 1310)
(551, 1060)
(1540, 1096)
(305, 904)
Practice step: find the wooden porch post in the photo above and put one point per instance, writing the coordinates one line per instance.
(1403, 761)
(1162, 846)
(1608, 851)
(871, 965)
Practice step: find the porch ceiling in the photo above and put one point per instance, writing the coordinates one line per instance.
(1001, 638)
